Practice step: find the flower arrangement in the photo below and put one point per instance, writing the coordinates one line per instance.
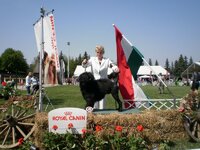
(100, 137)
(6, 90)
(141, 128)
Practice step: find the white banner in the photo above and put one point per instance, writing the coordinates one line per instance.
(38, 34)
(51, 57)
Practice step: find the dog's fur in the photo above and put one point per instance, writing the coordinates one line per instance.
(94, 90)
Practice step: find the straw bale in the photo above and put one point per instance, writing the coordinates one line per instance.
(158, 125)
(41, 120)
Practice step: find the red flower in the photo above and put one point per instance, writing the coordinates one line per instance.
(83, 130)
(118, 128)
(3, 83)
(55, 127)
(70, 125)
(140, 128)
(20, 141)
(98, 128)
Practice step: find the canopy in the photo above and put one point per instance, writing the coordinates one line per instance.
(195, 67)
(152, 70)
(144, 77)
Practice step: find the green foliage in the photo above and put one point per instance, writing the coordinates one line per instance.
(7, 91)
(25, 145)
(73, 62)
(156, 63)
(91, 140)
(61, 141)
(13, 61)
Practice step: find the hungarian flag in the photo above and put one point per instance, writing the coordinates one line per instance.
(129, 59)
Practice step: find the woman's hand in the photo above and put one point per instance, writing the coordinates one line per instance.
(115, 69)
(84, 61)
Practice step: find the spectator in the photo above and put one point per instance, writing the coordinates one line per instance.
(28, 83)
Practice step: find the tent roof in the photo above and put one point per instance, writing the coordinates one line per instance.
(195, 67)
(147, 70)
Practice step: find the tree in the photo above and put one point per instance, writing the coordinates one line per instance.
(176, 69)
(86, 56)
(190, 61)
(180, 66)
(156, 63)
(172, 68)
(167, 64)
(185, 62)
(150, 62)
(13, 61)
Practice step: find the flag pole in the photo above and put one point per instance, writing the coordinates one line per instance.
(162, 82)
(42, 11)
(68, 43)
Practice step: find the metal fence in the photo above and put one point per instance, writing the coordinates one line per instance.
(158, 104)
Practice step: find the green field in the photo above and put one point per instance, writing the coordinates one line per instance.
(70, 95)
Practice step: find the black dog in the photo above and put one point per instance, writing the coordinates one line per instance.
(94, 90)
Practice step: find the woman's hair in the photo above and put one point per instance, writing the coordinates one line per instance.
(30, 74)
(100, 48)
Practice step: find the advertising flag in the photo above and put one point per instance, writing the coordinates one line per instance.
(50, 52)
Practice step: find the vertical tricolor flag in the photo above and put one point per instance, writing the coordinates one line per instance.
(129, 59)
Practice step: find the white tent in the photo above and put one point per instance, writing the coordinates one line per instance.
(151, 70)
(195, 67)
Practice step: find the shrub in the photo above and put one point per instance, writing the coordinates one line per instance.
(6, 90)
(113, 138)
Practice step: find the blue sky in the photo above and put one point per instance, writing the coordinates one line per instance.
(160, 29)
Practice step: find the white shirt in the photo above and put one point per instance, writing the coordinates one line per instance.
(34, 81)
(28, 81)
(99, 69)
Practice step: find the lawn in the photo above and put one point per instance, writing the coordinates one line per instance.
(70, 95)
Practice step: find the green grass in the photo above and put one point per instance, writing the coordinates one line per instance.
(178, 92)
(70, 96)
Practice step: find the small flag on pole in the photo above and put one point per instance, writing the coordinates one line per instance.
(129, 59)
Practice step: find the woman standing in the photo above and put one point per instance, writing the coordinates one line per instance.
(99, 67)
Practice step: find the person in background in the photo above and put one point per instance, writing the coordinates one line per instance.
(35, 85)
(161, 86)
(28, 83)
(99, 67)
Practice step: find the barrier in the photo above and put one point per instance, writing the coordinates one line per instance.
(157, 104)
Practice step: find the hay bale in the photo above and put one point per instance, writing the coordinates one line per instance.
(158, 125)
(41, 120)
